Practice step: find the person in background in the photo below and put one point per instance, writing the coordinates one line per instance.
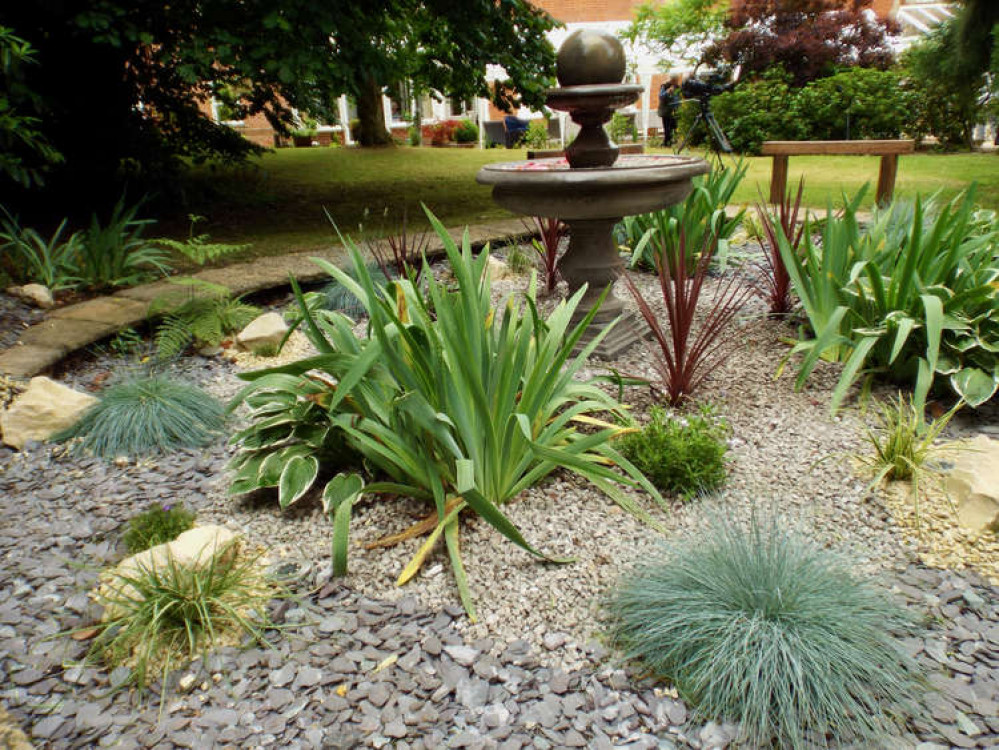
(669, 105)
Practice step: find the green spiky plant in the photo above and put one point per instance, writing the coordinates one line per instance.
(903, 445)
(199, 313)
(148, 414)
(449, 401)
(165, 613)
(761, 626)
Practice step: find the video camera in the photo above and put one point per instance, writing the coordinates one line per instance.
(696, 88)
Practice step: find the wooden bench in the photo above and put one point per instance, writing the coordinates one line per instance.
(887, 150)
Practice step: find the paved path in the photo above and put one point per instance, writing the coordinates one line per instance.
(66, 329)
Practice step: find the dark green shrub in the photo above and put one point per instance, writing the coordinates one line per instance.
(682, 455)
(761, 110)
(159, 524)
(148, 415)
(622, 127)
(877, 105)
(465, 132)
(765, 628)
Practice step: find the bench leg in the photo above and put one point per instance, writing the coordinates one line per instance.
(778, 180)
(886, 178)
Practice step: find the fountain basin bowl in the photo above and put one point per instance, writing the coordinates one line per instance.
(633, 185)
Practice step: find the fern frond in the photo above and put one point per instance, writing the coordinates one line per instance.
(173, 337)
(199, 250)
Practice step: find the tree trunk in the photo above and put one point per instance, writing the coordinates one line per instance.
(371, 113)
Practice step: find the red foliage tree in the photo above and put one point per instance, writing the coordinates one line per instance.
(810, 38)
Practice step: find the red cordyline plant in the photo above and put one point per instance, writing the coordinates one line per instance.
(400, 255)
(550, 231)
(773, 282)
(688, 355)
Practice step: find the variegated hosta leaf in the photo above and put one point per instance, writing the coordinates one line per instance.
(974, 385)
(297, 477)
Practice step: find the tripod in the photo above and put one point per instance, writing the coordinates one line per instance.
(707, 118)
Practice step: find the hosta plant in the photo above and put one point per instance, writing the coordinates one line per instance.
(913, 298)
(289, 437)
(453, 402)
(762, 627)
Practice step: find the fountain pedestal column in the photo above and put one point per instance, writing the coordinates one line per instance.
(592, 259)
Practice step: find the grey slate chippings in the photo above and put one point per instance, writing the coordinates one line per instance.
(62, 518)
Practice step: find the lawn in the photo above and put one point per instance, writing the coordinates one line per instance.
(277, 201)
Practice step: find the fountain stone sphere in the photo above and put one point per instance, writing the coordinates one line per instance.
(589, 57)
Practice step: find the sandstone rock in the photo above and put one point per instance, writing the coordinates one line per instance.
(498, 270)
(263, 332)
(37, 294)
(194, 547)
(11, 736)
(973, 484)
(43, 409)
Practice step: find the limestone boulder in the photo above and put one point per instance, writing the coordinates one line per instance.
(43, 409)
(38, 295)
(193, 548)
(973, 484)
(498, 270)
(265, 331)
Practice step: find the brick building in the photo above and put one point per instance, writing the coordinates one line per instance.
(915, 17)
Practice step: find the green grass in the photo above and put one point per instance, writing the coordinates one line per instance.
(277, 202)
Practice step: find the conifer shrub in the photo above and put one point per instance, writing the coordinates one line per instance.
(681, 455)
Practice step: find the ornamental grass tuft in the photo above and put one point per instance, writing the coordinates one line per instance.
(165, 613)
(762, 627)
(159, 524)
(144, 415)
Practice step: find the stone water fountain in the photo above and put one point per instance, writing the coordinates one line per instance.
(591, 188)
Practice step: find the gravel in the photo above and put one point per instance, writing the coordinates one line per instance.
(363, 663)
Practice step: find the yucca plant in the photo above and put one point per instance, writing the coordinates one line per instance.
(144, 415)
(200, 313)
(699, 217)
(166, 613)
(550, 231)
(693, 346)
(773, 281)
(762, 627)
(455, 403)
(903, 444)
(116, 254)
(909, 300)
(51, 262)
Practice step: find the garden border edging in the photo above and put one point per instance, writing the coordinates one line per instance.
(68, 329)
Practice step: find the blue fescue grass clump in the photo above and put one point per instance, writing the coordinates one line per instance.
(760, 626)
(148, 414)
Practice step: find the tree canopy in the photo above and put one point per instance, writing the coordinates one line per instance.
(122, 84)
(808, 38)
